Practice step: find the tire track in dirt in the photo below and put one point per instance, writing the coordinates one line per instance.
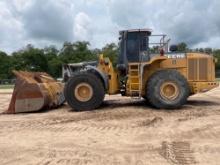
(178, 153)
(206, 132)
(74, 157)
(99, 157)
(155, 121)
(123, 132)
(101, 121)
(81, 122)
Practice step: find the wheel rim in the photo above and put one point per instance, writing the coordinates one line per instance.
(169, 91)
(83, 92)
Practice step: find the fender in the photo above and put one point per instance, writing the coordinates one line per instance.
(154, 59)
(100, 74)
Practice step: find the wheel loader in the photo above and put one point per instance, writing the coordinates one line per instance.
(165, 78)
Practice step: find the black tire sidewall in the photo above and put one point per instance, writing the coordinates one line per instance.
(94, 82)
(154, 85)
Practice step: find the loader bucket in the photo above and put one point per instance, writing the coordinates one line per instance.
(35, 91)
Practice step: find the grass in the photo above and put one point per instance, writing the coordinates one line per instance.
(218, 79)
(6, 86)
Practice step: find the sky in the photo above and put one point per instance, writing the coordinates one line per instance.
(52, 22)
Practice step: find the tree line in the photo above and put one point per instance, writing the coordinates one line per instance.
(50, 59)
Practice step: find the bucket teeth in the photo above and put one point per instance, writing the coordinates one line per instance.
(35, 91)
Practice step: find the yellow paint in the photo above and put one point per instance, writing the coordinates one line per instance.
(105, 65)
(202, 80)
(200, 87)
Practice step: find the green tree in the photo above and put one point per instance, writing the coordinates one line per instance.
(208, 50)
(51, 52)
(54, 61)
(5, 66)
(216, 54)
(30, 59)
(201, 50)
(111, 51)
(55, 67)
(182, 47)
(155, 49)
(96, 52)
(77, 52)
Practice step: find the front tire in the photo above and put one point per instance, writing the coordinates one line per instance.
(167, 89)
(84, 91)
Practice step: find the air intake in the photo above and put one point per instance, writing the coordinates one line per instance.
(198, 69)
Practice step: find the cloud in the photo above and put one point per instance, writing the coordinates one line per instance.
(46, 22)
(128, 13)
(11, 30)
(49, 20)
(193, 22)
(189, 21)
(82, 27)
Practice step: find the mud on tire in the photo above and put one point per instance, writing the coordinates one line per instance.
(88, 80)
(174, 97)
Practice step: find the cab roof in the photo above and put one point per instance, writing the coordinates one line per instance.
(136, 30)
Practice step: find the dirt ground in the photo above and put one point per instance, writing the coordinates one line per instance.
(123, 131)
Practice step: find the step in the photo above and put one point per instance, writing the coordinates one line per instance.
(133, 73)
(134, 83)
(135, 91)
(134, 76)
(133, 70)
(134, 64)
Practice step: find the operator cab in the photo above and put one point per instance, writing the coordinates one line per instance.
(134, 45)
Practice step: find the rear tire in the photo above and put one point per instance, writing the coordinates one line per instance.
(167, 89)
(84, 91)
(147, 101)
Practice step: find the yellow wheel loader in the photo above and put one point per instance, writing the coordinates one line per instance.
(165, 79)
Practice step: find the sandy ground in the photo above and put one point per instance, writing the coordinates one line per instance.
(123, 131)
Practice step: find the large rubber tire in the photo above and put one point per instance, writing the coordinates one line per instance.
(147, 101)
(94, 82)
(155, 84)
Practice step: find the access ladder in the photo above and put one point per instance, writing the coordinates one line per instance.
(135, 77)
